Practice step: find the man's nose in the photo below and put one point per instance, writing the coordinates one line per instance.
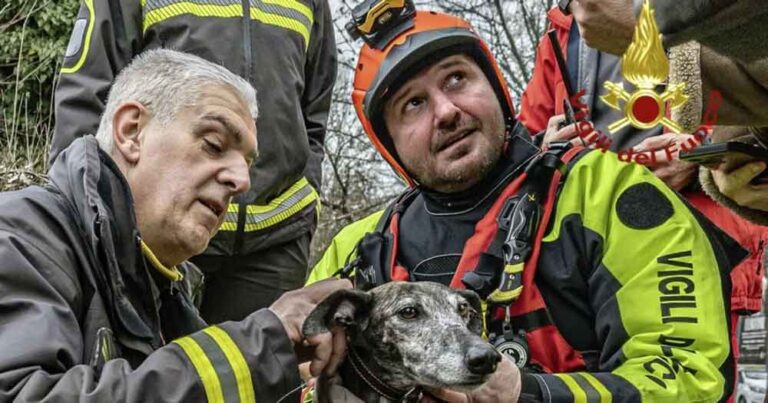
(447, 113)
(236, 176)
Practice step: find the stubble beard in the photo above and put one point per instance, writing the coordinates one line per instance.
(461, 178)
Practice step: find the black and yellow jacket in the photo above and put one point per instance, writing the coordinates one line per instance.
(634, 279)
(85, 317)
(285, 48)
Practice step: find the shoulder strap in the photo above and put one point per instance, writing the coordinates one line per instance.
(375, 250)
(517, 227)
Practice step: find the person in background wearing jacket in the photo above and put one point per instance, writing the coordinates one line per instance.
(95, 300)
(287, 51)
(736, 186)
(589, 68)
(720, 45)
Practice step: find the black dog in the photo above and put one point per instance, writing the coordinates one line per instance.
(404, 336)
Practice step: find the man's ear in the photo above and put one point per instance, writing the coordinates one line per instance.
(129, 120)
(348, 308)
(476, 322)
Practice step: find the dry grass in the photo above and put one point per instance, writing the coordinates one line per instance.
(25, 123)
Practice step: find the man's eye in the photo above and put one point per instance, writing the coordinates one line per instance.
(412, 104)
(212, 147)
(455, 79)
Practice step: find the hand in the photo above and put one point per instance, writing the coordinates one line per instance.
(737, 187)
(502, 387)
(554, 134)
(674, 172)
(326, 350)
(606, 25)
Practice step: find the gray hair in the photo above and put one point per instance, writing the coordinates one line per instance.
(165, 82)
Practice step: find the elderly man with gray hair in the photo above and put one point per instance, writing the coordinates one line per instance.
(95, 301)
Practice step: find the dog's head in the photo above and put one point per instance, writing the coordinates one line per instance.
(417, 334)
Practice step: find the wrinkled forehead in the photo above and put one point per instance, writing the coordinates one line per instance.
(417, 78)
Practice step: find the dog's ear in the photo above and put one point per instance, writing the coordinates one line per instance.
(348, 308)
(476, 321)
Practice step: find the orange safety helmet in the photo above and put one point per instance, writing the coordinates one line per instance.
(424, 39)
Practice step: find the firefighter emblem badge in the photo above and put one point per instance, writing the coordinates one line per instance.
(645, 65)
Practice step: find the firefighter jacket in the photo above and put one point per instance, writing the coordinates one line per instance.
(83, 317)
(543, 98)
(633, 279)
(285, 48)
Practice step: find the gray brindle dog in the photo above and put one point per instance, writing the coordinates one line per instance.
(404, 336)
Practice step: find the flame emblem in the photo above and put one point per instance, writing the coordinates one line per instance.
(645, 65)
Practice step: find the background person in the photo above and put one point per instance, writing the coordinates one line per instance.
(589, 68)
(287, 51)
(95, 300)
(732, 56)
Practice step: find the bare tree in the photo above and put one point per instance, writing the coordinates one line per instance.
(512, 29)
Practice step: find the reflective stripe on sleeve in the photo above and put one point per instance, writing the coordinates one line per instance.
(585, 388)
(86, 41)
(220, 364)
(204, 368)
(237, 361)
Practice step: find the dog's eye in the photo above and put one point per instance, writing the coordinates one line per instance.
(408, 312)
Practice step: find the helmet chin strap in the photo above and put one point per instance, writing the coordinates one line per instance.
(508, 130)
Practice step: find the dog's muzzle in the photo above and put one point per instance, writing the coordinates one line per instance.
(482, 359)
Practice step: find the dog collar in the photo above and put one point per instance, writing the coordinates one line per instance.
(386, 391)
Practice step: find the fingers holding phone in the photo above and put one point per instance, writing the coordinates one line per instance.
(746, 185)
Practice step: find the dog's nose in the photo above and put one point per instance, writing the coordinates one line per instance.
(482, 359)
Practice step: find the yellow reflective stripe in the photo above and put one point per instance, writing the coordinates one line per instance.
(300, 195)
(230, 219)
(87, 44)
(235, 10)
(184, 7)
(579, 396)
(204, 369)
(294, 5)
(605, 394)
(287, 213)
(279, 200)
(501, 296)
(236, 361)
(283, 22)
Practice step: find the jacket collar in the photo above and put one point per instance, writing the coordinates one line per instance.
(94, 186)
(558, 19)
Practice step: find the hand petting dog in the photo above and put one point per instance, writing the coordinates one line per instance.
(325, 350)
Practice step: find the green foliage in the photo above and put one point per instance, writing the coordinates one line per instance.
(34, 35)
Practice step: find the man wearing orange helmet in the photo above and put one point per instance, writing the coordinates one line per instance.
(601, 284)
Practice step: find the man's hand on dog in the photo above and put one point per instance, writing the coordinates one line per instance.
(502, 387)
(325, 350)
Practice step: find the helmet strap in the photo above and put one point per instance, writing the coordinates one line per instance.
(508, 134)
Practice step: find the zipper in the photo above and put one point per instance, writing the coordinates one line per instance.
(247, 70)
(248, 75)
